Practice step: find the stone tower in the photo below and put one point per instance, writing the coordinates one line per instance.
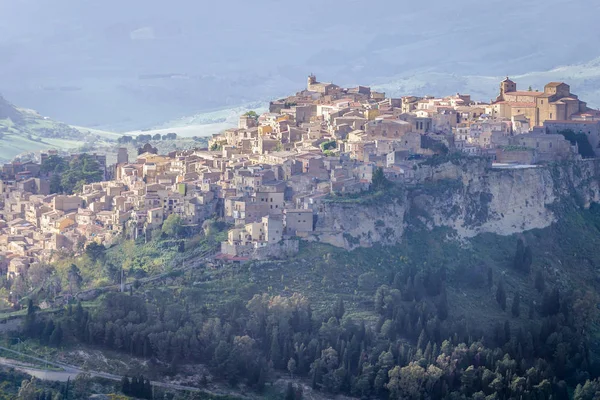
(312, 79)
(122, 156)
(507, 86)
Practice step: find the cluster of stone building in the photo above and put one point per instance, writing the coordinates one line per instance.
(269, 176)
(35, 226)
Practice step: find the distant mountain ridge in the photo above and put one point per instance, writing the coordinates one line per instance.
(24, 131)
(583, 78)
(151, 62)
(9, 111)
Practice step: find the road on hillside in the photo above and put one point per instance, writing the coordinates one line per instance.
(71, 372)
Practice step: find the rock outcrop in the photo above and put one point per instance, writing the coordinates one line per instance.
(467, 196)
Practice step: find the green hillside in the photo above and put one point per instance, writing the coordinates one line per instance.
(476, 314)
(24, 131)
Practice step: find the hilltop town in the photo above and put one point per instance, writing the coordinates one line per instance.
(269, 177)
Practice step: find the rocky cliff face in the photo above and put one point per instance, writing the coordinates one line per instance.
(352, 225)
(467, 196)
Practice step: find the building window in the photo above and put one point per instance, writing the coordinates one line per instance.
(550, 115)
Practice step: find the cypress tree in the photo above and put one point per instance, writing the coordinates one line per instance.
(507, 331)
(516, 305)
(501, 295)
(29, 324)
(338, 309)
(527, 260)
(125, 386)
(57, 335)
(147, 389)
(290, 394)
(442, 306)
(47, 332)
(67, 388)
(262, 379)
(519, 253)
(540, 285)
(531, 310)
(523, 257)
(275, 352)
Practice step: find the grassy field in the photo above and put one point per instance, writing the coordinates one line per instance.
(12, 145)
(31, 132)
(101, 133)
(34, 133)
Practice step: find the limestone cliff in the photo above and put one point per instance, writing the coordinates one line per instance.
(465, 195)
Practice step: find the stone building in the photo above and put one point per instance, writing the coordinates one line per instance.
(547, 147)
(591, 129)
(556, 102)
(323, 88)
(298, 221)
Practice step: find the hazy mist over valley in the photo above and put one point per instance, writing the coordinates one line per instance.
(137, 64)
